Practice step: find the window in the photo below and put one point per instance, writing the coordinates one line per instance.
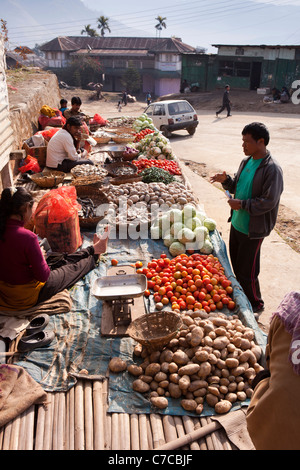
(234, 69)
(180, 108)
(159, 110)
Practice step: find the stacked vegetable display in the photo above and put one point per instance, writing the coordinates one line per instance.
(192, 282)
(168, 165)
(184, 229)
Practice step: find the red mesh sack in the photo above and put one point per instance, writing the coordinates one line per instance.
(56, 218)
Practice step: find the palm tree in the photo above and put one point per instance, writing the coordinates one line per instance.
(89, 31)
(161, 23)
(103, 24)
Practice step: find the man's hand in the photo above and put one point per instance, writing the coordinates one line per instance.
(235, 204)
(219, 177)
(100, 243)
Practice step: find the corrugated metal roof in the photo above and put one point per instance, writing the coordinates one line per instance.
(263, 46)
(75, 43)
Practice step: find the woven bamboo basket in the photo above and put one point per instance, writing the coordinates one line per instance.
(102, 140)
(48, 179)
(112, 169)
(154, 330)
(98, 198)
(126, 179)
(92, 180)
(122, 139)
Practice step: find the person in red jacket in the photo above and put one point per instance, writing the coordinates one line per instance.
(25, 277)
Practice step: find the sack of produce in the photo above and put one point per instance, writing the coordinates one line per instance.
(56, 218)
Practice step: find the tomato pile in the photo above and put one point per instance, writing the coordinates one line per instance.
(189, 282)
(168, 165)
(140, 135)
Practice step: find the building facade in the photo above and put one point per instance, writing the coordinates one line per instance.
(158, 60)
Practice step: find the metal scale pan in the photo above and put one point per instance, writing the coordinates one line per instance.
(119, 293)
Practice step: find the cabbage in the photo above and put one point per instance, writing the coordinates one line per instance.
(201, 216)
(210, 224)
(188, 211)
(185, 235)
(192, 223)
(176, 248)
(155, 232)
(175, 215)
(175, 228)
(168, 240)
(201, 233)
(207, 247)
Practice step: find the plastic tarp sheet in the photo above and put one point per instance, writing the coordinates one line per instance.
(79, 345)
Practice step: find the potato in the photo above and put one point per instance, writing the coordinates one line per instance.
(199, 408)
(189, 405)
(137, 351)
(238, 371)
(204, 371)
(146, 378)
(220, 342)
(231, 362)
(117, 365)
(175, 390)
(154, 356)
(184, 382)
(164, 367)
(223, 406)
(166, 355)
(152, 369)
(201, 355)
(241, 395)
(180, 357)
(135, 370)
(232, 397)
(159, 402)
(197, 336)
(160, 376)
(196, 384)
(173, 367)
(189, 369)
(211, 400)
(140, 386)
(213, 390)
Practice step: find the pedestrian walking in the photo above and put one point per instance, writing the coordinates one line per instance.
(226, 102)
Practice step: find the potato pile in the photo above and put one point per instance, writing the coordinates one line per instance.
(213, 358)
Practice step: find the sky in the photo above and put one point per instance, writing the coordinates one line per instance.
(199, 23)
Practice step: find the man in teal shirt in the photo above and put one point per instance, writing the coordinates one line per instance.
(257, 187)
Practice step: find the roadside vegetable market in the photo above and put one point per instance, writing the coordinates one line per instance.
(161, 326)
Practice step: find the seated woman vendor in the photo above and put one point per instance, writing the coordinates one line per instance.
(25, 277)
(63, 152)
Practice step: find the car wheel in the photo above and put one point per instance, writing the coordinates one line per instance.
(192, 130)
(165, 131)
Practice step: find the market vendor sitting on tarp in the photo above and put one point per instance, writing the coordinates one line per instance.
(63, 152)
(75, 109)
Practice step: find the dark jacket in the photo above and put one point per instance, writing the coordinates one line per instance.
(266, 191)
(226, 99)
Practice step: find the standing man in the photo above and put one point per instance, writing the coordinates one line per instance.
(257, 187)
(226, 102)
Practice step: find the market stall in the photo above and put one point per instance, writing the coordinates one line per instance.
(165, 259)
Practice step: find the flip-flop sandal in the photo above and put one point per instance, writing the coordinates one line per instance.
(37, 324)
(37, 340)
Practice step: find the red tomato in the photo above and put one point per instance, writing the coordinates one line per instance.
(114, 262)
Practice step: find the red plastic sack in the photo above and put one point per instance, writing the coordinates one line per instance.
(31, 164)
(97, 119)
(48, 133)
(58, 120)
(56, 218)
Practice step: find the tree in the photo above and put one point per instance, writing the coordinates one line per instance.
(4, 31)
(89, 31)
(103, 24)
(131, 79)
(161, 23)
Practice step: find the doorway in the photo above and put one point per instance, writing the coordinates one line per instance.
(255, 75)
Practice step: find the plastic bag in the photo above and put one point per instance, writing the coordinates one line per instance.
(31, 164)
(56, 218)
(48, 133)
(97, 119)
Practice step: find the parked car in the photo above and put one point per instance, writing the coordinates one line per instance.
(172, 115)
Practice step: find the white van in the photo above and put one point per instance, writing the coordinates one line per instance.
(172, 115)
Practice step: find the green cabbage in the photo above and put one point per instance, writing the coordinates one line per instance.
(192, 223)
(185, 235)
(175, 228)
(210, 224)
(176, 248)
(168, 240)
(207, 247)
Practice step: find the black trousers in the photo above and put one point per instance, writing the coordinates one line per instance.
(245, 260)
(224, 106)
(70, 269)
(66, 165)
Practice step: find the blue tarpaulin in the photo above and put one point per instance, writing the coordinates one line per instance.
(78, 344)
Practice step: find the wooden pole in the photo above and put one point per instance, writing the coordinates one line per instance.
(190, 437)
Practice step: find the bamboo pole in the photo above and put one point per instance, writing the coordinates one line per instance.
(98, 416)
(202, 441)
(40, 427)
(149, 433)
(134, 432)
(48, 423)
(143, 432)
(115, 438)
(169, 428)
(189, 427)
(29, 437)
(15, 434)
(190, 436)
(71, 419)
(6, 437)
(88, 416)
(61, 441)
(126, 431)
(79, 417)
